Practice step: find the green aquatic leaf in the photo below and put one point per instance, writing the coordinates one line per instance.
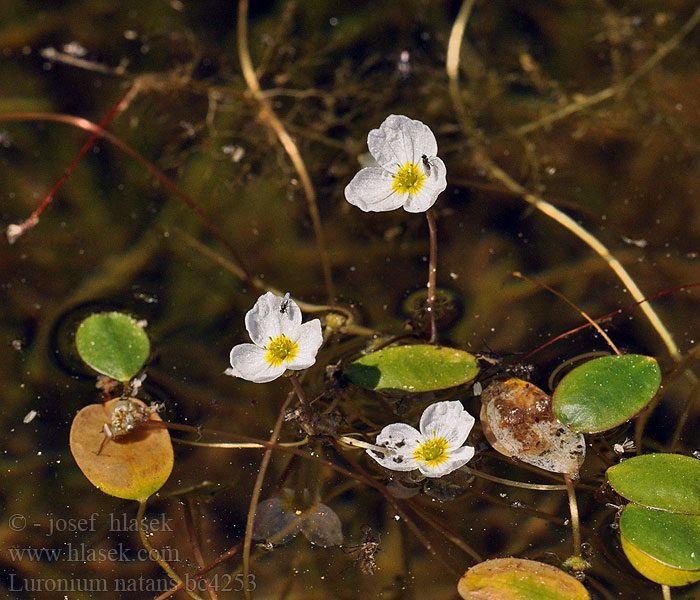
(417, 368)
(113, 344)
(665, 481)
(519, 579)
(670, 539)
(654, 570)
(606, 391)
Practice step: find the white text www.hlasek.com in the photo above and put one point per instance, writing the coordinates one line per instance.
(83, 553)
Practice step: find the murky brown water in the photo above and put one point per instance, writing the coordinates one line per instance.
(626, 168)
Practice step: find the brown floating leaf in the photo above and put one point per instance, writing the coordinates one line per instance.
(518, 421)
(518, 579)
(131, 467)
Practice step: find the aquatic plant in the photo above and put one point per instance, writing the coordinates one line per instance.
(366, 449)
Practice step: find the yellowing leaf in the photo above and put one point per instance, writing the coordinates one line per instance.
(132, 467)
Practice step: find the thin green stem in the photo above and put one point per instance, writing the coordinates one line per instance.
(153, 554)
(268, 115)
(573, 508)
(432, 275)
(301, 394)
(583, 102)
(497, 173)
(257, 489)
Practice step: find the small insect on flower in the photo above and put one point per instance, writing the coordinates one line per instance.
(436, 449)
(126, 417)
(407, 172)
(426, 164)
(285, 303)
(280, 341)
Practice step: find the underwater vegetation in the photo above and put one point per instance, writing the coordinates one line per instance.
(417, 281)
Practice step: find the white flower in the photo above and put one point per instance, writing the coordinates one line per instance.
(436, 449)
(408, 173)
(280, 341)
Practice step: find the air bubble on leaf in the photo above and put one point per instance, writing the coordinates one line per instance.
(518, 421)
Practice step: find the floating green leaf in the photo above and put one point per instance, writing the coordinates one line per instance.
(113, 344)
(132, 467)
(606, 391)
(665, 481)
(417, 368)
(519, 579)
(656, 571)
(671, 539)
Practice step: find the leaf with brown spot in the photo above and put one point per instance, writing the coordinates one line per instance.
(518, 421)
(132, 467)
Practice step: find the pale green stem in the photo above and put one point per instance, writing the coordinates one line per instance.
(452, 65)
(257, 489)
(573, 508)
(154, 554)
(432, 275)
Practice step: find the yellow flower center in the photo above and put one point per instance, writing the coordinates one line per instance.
(280, 349)
(408, 180)
(433, 452)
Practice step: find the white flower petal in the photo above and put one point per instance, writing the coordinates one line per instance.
(395, 461)
(309, 338)
(248, 361)
(447, 420)
(399, 436)
(265, 321)
(401, 440)
(435, 183)
(457, 459)
(420, 202)
(400, 140)
(371, 190)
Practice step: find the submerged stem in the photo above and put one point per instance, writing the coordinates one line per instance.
(268, 115)
(666, 591)
(497, 173)
(153, 554)
(432, 275)
(303, 398)
(573, 508)
(257, 488)
(597, 327)
(15, 231)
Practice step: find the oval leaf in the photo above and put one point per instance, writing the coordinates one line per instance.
(113, 344)
(519, 579)
(518, 421)
(417, 368)
(132, 467)
(606, 391)
(654, 570)
(664, 481)
(669, 538)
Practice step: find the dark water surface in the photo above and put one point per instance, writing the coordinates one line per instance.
(627, 168)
